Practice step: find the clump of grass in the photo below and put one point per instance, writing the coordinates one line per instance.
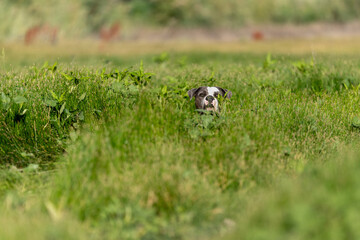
(36, 119)
(317, 78)
(204, 125)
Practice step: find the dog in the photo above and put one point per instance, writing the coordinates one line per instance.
(206, 98)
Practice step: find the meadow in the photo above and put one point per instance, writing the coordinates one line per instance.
(107, 145)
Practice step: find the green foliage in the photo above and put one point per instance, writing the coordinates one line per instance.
(163, 57)
(355, 122)
(321, 204)
(108, 152)
(318, 79)
(204, 125)
(47, 115)
(268, 62)
(140, 199)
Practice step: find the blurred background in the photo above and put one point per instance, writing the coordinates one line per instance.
(31, 21)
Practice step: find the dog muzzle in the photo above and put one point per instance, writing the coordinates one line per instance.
(210, 103)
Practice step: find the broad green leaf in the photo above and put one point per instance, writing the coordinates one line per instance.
(97, 112)
(45, 65)
(133, 90)
(164, 90)
(50, 103)
(62, 97)
(23, 112)
(82, 97)
(81, 116)
(5, 99)
(67, 76)
(355, 122)
(117, 87)
(32, 167)
(62, 108)
(53, 67)
(54, 95)
(20, 99)
(25, 154)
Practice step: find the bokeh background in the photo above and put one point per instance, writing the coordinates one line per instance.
(123, 19)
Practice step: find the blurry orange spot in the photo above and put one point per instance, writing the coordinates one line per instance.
(257, 35)
(45, 32)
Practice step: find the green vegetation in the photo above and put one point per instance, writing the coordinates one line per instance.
(321, 204)
(78, 18)
(115, 149)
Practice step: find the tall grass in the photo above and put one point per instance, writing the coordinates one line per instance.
(132, 159)
(40, 109)
(320, 204)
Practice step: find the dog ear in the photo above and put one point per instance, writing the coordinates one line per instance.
(192, 92)
(225, 92)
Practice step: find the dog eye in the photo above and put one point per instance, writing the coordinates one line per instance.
(216, 94)
(202, 94)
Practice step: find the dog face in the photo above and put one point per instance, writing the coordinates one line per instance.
(207, 97)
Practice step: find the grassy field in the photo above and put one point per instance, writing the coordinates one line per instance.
(106, 144)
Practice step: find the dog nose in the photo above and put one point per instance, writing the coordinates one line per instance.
(209, 98)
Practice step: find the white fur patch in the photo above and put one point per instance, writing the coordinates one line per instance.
(212, 90)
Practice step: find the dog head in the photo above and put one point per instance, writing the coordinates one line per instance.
(206, 98)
